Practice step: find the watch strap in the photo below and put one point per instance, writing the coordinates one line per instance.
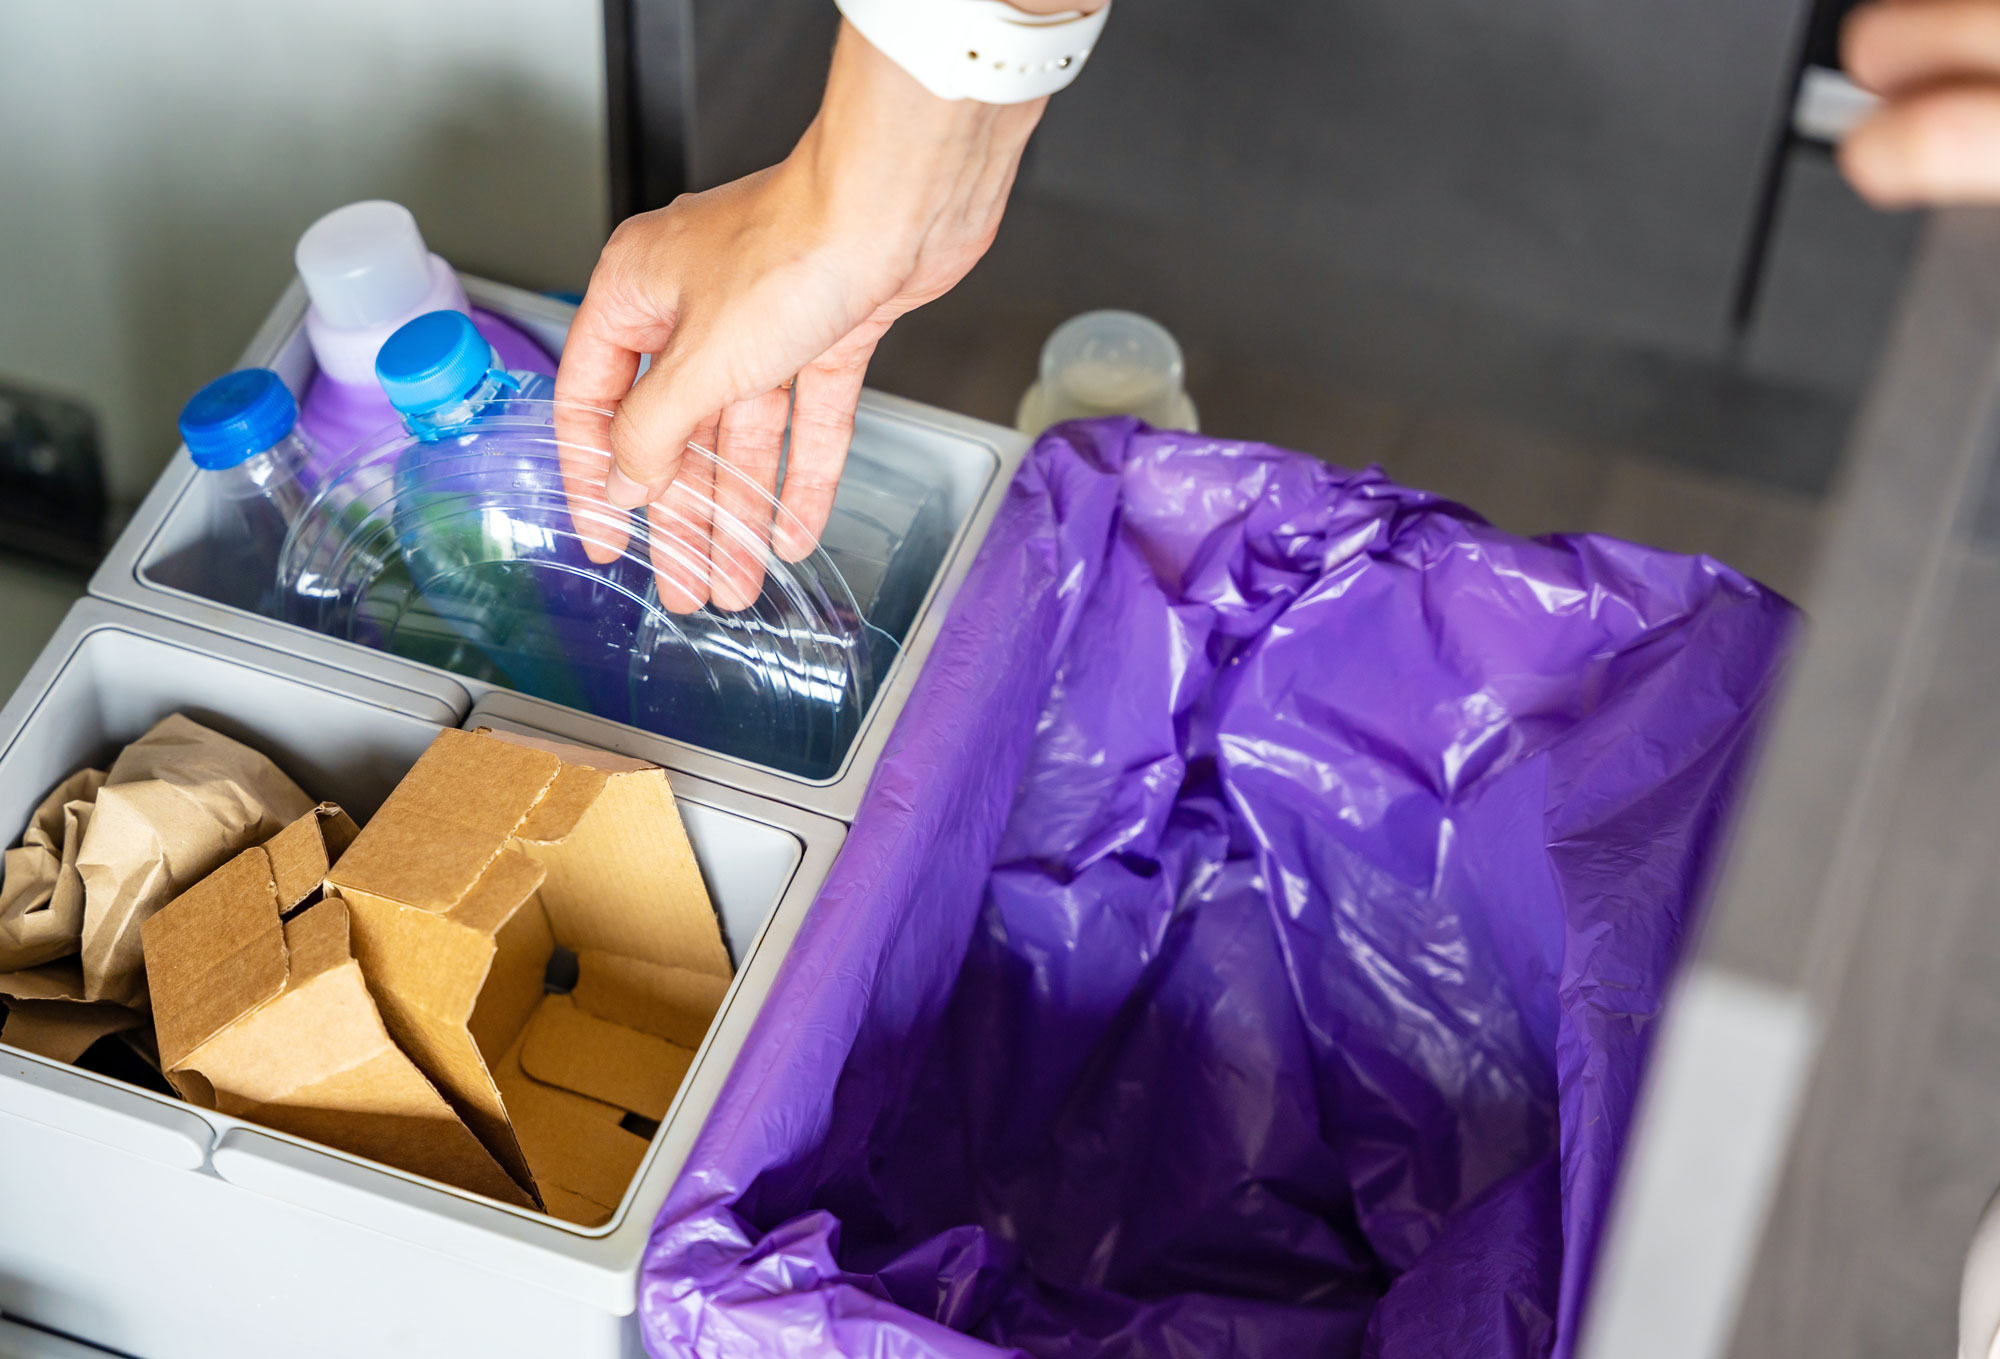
(984, 50)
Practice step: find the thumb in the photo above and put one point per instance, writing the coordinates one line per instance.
(658, 416)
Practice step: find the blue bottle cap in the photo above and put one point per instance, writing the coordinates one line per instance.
(235, 416)
(433, 361)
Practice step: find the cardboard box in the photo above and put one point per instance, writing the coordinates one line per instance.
(263, 1013)
(531, 920)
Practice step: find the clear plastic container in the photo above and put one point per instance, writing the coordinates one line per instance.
(460, 550)
(241, 431)
(1109, 363)
(888, 537)
(454, 542)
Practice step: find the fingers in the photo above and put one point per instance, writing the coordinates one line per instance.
(1894, 48)
(1940, 146)
(750, 440)
(681, 523)
(583, 438)
(823, 402)
(596, 371)
(652, 428)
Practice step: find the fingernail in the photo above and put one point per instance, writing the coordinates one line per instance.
(624, 492)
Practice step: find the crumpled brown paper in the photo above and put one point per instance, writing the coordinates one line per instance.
(106, 851)
(48, 1016)
(41, 893)
(178, 803)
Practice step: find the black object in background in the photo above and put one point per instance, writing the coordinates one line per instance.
(52, 502)
(1819, 45)
(694, 99)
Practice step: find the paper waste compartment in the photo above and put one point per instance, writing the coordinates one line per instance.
(161, 1230)
(160, 562)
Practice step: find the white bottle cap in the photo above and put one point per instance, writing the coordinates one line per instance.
(364, 264)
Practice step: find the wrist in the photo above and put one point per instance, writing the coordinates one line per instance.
(886, 156)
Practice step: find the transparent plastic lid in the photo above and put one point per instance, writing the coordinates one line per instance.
(462, 551)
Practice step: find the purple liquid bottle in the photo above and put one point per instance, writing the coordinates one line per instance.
(368, 272)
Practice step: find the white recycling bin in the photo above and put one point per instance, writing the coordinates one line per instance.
(147, 1226)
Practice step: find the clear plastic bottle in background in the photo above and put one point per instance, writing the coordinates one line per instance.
(1109, 363)
(241, 430)
(368, 272)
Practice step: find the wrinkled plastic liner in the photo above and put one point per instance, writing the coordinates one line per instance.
(1250, 943)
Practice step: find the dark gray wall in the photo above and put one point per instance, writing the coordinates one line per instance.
(1589, 161)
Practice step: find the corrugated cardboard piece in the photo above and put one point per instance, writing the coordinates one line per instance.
(494, 854)
(264, 1014)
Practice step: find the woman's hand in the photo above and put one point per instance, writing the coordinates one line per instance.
(763, 300)
(1936, 137)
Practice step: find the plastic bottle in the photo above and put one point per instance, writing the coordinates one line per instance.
(480, 523)
(457, 546)
(241, 431)
(1109, 363)
(779, 683)
(887, 538)
(368, 272)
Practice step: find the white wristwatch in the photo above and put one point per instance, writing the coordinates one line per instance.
(984, 50)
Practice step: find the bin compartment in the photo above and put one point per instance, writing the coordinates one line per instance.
(1251, 942)
(154, 1228)
(161, 564)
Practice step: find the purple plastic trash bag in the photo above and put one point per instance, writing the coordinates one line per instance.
(1249, 944)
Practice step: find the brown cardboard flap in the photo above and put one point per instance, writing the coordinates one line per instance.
(515, 982)
(317, 941)
(216, 953)
(624, 880)
(316, 1060)
(574, 1143)
(490, 854)
(667, 1002)
(567, 1047)
(417, 959)
(366, 1098)
(492, 899)
(41, 895)
(63, 1030)
(425, 970)
(452, 813)
(302, 852)
(576, 788)
(177, 804)
(610, 761)
(307, 1036)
